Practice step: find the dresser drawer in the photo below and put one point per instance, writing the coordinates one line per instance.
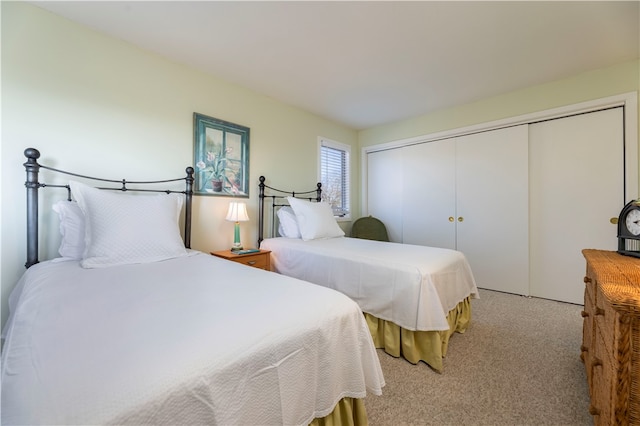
(260, 260)
(255, 260)
(588, 332)
(603, 382)
(590, 286)
(607, 321)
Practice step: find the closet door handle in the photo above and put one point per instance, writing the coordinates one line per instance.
(451, 219)
(460, 219)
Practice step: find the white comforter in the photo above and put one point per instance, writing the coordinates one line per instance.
(413, 286)
(193, 340)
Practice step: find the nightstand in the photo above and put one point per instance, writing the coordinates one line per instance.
(260, 260)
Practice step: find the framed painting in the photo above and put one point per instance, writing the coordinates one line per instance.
(221, 157)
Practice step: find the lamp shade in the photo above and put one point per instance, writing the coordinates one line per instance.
(237, 212)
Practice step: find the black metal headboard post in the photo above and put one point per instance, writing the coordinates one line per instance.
(187, 208)
(261, 185)
(282, 195)
(32, 184)
(33, 168)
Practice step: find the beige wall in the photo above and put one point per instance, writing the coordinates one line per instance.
(588, 86)
(615, 80)
(99, 106)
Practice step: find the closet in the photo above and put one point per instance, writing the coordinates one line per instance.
(520, 202)
(470, 193)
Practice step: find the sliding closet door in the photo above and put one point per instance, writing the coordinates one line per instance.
(492, 214)
(577, 186)
(384, 190)
(429, 197)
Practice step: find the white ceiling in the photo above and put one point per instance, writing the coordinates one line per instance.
(368, 63)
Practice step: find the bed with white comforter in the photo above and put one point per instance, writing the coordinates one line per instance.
(413, 286)
(190, 340)
(130, 326)
(414, 297)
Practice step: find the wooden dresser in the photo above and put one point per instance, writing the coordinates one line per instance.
(611, 337)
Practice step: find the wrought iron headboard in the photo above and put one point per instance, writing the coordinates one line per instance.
(32, 184)
(279, 199)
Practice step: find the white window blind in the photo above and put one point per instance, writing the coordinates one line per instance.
(334, 176)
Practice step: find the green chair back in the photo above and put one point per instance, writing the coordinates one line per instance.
(369, 228)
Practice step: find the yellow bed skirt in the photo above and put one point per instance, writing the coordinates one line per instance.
(416, 346)
(348, 412)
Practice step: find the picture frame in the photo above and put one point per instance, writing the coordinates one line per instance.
(221, 157)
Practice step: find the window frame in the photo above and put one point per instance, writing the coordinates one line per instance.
(325, 142)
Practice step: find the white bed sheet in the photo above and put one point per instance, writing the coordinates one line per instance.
(192, 340)
(413, 286)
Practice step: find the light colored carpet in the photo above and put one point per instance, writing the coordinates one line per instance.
(517, 364)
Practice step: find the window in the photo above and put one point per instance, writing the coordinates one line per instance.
(334, 175)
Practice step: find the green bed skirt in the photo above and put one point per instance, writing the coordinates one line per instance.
(348, 412)
(416, 346)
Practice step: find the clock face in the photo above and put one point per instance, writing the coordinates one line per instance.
(632, 222)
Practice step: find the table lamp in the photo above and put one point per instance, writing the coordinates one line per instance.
(237, 213)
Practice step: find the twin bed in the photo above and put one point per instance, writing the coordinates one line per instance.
(413, 297)
(131, 326)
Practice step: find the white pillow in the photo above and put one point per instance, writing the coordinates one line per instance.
(315, 219)
(71, 228)
(123, 229)
(287, 223)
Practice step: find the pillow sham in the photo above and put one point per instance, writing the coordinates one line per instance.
(124, 229)
(71, 229)
(287, 223)
(315, 219)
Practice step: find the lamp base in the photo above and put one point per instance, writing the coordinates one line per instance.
(236, 238)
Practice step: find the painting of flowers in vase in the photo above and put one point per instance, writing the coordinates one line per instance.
(221, 157)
